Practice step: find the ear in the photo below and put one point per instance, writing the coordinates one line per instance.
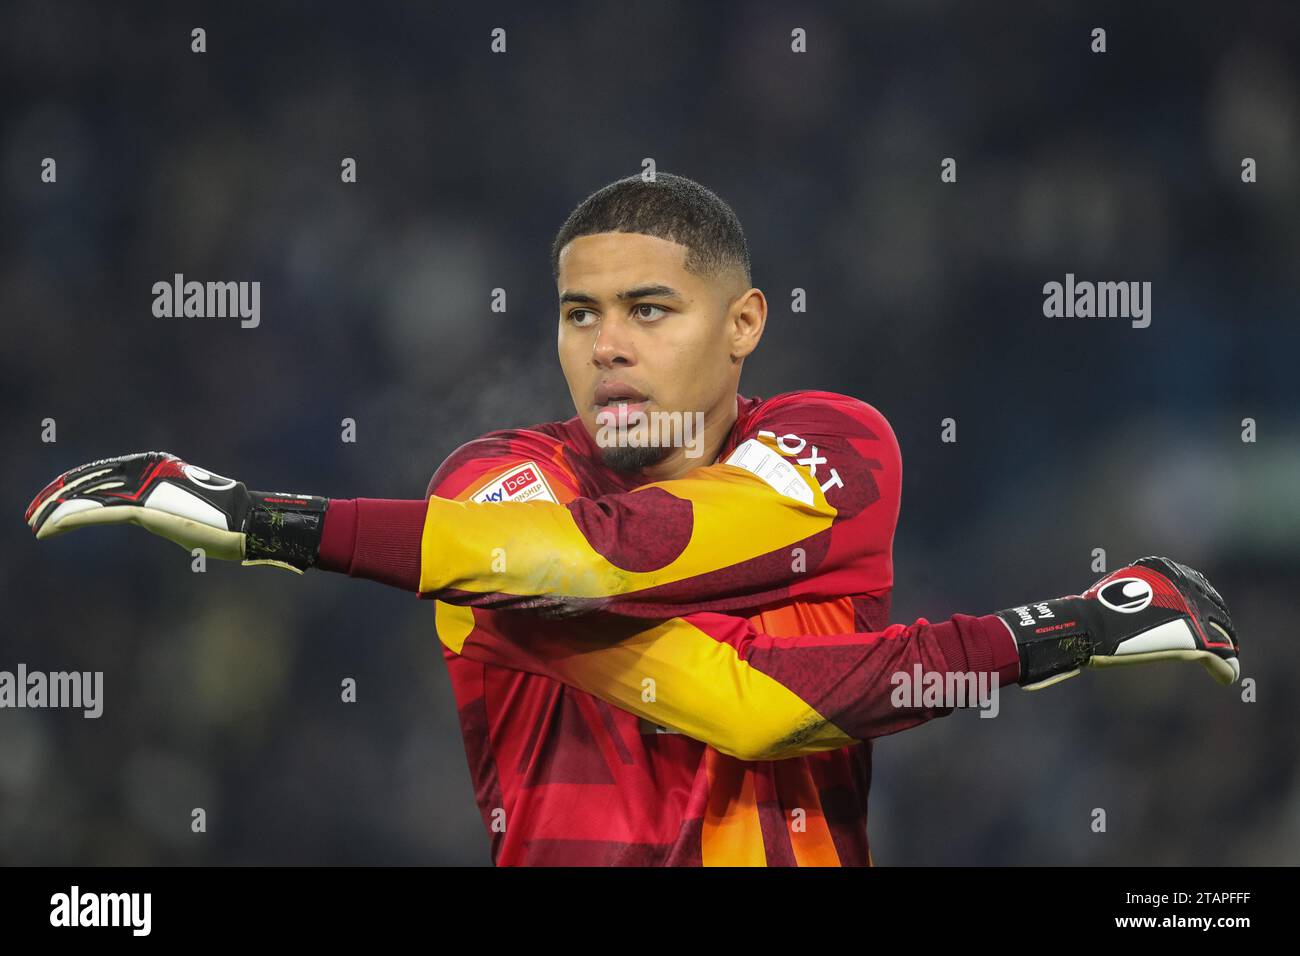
(747, 318)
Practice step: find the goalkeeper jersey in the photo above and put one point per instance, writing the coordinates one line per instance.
(685, 672)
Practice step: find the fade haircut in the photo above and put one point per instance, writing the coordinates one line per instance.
(671, 207)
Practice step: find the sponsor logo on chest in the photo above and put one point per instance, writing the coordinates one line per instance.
(522, 483)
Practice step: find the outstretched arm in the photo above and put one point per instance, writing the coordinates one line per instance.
(716, 678)
(759, 697)
(804, 506)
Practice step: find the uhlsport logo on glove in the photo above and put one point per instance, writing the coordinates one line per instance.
(1126, 595)
(206, 479)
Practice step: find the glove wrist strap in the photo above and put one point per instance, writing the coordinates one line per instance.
(1054, 637)
(284, 529)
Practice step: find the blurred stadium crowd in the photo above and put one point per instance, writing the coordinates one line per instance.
(924, 299)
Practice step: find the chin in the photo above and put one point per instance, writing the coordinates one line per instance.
(629, 459)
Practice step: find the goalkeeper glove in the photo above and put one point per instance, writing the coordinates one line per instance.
(188, 505)
(1154, 609)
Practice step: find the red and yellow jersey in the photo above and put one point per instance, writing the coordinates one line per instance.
(611, 715)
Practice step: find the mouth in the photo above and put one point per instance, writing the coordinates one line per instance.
(610, 395)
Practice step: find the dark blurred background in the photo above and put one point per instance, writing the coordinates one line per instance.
(924, 299)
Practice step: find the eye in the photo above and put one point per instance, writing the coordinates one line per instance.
(581, 317)
(656, 312)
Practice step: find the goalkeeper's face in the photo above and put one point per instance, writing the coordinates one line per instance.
(652, 352)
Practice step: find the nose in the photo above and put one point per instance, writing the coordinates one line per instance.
(613, 344)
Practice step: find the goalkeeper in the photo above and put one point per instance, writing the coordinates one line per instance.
(740, 599)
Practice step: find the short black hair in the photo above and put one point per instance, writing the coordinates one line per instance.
(668, 207)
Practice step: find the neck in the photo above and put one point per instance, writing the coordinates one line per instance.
(701, 450)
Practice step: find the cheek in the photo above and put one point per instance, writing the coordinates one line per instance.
(699, 365)
(571, 362)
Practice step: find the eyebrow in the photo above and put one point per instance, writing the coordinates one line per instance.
(640, 292)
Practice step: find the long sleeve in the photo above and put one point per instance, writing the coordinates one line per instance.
(751, 695)
(804, 504)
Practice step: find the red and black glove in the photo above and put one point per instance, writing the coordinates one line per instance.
(1155, 609)
(191, 506)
